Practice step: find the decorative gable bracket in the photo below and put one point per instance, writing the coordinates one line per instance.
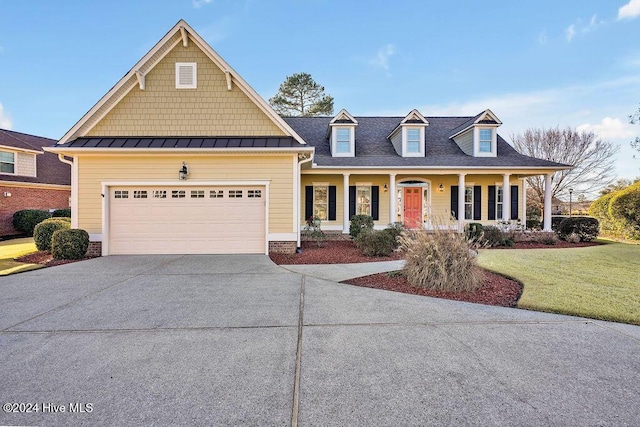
(141, 79)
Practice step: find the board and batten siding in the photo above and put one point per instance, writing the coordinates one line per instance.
(465, 142)
(278, 169)
(163, 110)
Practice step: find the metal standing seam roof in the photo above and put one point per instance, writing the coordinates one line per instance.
(183, 142)
(374, 149)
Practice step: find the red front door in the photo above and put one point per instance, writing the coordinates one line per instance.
(412, 207)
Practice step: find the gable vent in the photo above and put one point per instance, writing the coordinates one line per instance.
(186, 75)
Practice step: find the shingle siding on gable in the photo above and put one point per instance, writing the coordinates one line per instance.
(25, 164)
(396, 140)
(465, 142)
(163, 110)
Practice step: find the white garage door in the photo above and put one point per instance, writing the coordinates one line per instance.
(186, 220)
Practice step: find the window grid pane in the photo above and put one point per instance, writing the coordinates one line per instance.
(413, 140)
(485, 138)
(216, 194)
(499, 198)
(363, 196)
(343, 140)
(197, 194)
(254, 194)
(159, 194)
(321, 203)
(140, 194)
(468, 203)
(235, 194)
(178, 194)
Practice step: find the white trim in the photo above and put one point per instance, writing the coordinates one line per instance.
(16, 149)
(14, 163)
(185, 37)
(334, 140)
(343, 113)
(141, 79)
(194, 75)
(246, 150)
(204, 46)
(403, 122)
(106, 185)
(477, 121)
(95, 237)
(345, 202)
(494, 141)
(405, 140)
(320, 184)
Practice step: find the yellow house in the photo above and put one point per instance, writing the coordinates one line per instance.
(183, 156)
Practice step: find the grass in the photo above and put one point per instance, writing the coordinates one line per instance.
(599, 282)
(11, 249)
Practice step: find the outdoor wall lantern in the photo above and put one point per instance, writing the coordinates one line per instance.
(441, 188)
(6, 194)
(386, 188)
(183, 172)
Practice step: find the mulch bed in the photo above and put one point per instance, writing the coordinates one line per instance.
(495, 289)
(45, 258)
(333, 252)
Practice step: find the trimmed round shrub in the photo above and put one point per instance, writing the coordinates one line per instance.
(395, 231)
(27, 219)
(624, 208)
(441, 260)
(555, 222)
(61, 212)
(586, 228)
(376, 242)
(43, 232)
(69, 244)
(359, 223)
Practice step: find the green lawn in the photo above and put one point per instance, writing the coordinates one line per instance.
(599, 282)
(11, 249)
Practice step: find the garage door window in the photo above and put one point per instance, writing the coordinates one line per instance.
(121, 194)
(235, 194)
(178, 194)
(197, 194)
(216, 194)
(140, 194)
(254, 194)
(159, 194)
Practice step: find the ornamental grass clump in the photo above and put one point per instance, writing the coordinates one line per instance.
(441, 260)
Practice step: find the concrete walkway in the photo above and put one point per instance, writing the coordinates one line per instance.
(237, 340)
(341, 272)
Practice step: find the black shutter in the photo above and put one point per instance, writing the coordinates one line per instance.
(477, 202)
(454, 201)
(308, 202)
(375, 202)
(332, 203)
(352, 201)
(491, 206)
(514, 202)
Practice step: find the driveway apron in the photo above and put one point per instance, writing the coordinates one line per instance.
(237, 340)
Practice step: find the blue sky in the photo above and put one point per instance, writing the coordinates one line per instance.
(536, 63)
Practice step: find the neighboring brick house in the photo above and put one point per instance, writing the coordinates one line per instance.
(29, 177)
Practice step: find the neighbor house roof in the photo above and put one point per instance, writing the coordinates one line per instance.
(49, 169)
(373, 148)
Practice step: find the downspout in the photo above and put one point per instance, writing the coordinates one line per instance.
(299, 189)
(74, 190)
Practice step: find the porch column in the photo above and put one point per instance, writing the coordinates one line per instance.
(345, 203)
(506, 197)
(392, 198)
(461, 192)
(547, 202)
(524, 203)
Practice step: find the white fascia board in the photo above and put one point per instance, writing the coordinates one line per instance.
(439, 170)
(245, 150)
(343, 113)
(22, 150)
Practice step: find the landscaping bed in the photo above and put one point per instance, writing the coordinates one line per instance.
(45, 258)
(331, 252)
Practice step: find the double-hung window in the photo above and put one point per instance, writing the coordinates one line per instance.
(468, 203)
(485, 139)
(499, 201)
(7, 162)
(363, 200)
(321, 202)
(413, 141)
(343, 141)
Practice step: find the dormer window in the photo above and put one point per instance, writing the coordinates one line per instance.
(478, 136)
(408, 137)
(485, 139)
(485, 142)
(342, 135)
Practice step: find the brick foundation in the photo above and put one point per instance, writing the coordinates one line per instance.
(282, 247)
(28, 198)
(95, 249)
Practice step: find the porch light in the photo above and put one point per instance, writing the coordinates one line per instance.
(386, 188)
(441, 188)
(183, 172)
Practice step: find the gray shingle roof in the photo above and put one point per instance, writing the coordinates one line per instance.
(182, 142)
(49, 169)
(373, 149)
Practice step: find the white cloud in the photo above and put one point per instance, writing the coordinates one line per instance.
(199, 3)
(543, 38)
(570, 32)
(630, 10)
(610, 128)
(5, 121)
(382, 57)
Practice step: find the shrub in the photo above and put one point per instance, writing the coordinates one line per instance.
(624, 208)
(395, 231)
(555, 222)
(313, 230)
(441, 260)
(473, 230)
(494, 236)
(61, 213)
(69, 244)
(58, 218)
(43, 232)
(359, 223)
(375, 242)
(26, 220)
(548, 238)
(534, 224)
(585, 227)
(599, 209)
(573, 238)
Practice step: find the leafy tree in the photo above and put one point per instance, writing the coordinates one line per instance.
(300, 95)
(591, 158)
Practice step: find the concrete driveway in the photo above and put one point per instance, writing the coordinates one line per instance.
(236, 340)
